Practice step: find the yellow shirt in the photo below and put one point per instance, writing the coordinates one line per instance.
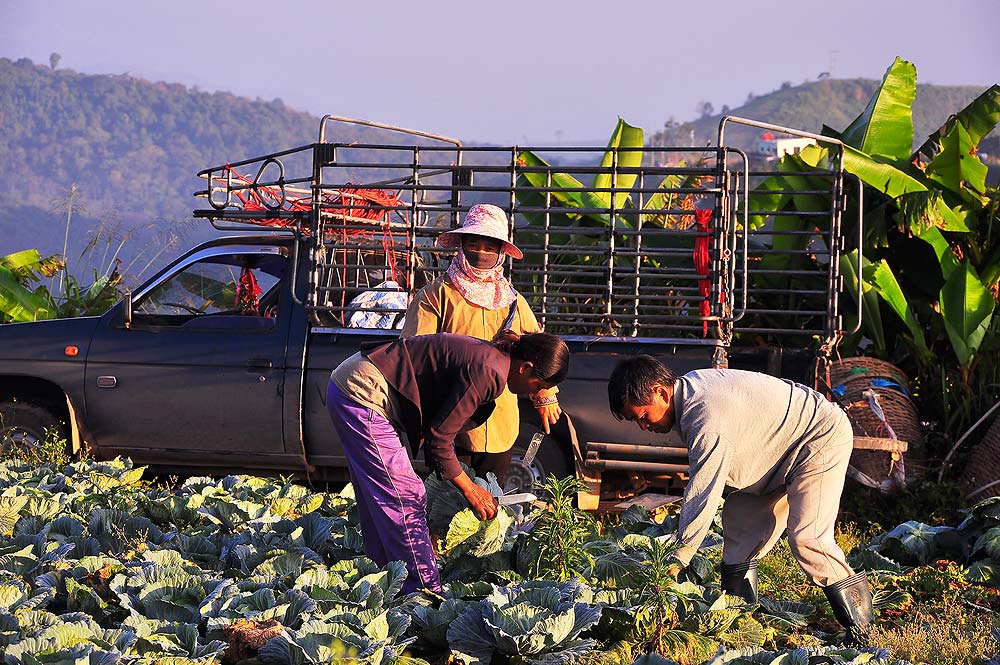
(439, 307)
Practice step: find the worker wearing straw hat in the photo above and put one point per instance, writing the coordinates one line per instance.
(475, 298)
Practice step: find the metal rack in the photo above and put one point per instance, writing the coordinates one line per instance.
(610, 239)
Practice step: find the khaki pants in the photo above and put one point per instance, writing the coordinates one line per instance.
(751, 524)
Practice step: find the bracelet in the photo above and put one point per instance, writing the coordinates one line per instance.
(544, 401)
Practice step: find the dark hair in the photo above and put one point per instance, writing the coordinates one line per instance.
(631, 384)
(548, 354)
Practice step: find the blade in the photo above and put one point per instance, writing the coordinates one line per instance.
(513, 499)
(529, 455)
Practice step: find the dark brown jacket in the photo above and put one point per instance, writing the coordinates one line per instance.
(445, 381)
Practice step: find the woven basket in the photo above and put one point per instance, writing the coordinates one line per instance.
(862, 370)
(898, 410)
(864, 366)
(881, 460)
(850, 378)
(983, 468)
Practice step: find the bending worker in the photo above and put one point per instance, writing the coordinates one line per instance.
(425, 390)
(475, 298)
(777, 450)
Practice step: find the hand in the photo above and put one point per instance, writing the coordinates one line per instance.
(549, 414)
(483, 504)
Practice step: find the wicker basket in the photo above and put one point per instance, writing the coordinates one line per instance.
(851, 378)
(982, 472)
(898, 410)
(879, 462)
(852, 372)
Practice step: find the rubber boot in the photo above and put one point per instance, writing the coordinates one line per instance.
(851, 600)
(740, 579)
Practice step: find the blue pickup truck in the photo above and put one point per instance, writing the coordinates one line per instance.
(220, 361)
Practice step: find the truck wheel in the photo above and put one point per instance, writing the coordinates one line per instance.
(553, 459)
(24, 425)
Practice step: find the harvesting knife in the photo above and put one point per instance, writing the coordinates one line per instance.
(514, 499)
(529, 454)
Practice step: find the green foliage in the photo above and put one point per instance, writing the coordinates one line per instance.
(97, 561)
(17, 271)
(131, 146)
(938, 320)
(559, 532)
(537, 621)
(885, 127)
(52, 450)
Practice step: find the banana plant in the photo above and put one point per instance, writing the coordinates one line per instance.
(622, 155)
(18, 303)
(937, 195)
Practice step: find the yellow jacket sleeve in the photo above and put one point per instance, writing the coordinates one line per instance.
(423, 315)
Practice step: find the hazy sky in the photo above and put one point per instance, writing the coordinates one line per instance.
(512, 70)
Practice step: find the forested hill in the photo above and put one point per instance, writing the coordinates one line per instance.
(127, 142)
(132, 147)
(833, 102)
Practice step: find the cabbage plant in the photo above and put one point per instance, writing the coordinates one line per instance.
(537, 622)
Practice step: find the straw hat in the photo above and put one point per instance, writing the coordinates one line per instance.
(486, 220)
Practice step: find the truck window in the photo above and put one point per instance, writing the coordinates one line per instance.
(231, 291)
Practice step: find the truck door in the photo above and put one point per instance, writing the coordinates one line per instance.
(201, 367)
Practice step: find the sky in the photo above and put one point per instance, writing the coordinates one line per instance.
(510, 71)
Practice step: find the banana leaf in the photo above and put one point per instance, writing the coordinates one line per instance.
(28, 264)
(663, 200)
(942, 248)
(573, 199)
(888, 178)
(967, 308)
(881, 173)
(978, 118)
(885, 284)
(790, 245)
(920, 211)
(766, 197)
(957, 167)
(871, 315)
(624, 136)
(18, 304)
(885, 127)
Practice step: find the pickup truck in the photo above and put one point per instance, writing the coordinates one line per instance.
(220, 361)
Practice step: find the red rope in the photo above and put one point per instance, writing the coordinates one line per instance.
(370, 209)
(702, 262)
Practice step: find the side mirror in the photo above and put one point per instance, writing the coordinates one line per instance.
(127, 310)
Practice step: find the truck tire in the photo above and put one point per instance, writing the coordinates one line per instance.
(553, 459)
(23, 424)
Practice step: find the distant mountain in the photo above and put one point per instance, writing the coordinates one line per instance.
(833, 102)
(132, 148)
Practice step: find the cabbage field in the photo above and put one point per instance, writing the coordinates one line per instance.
(101, 566)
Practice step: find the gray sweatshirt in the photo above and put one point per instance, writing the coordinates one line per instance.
(749, 432)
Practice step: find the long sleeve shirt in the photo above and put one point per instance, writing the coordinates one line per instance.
(746, 432)
(440, 307)
(445, 383)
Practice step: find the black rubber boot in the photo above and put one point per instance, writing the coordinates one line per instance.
(851, 600)
(740, 579)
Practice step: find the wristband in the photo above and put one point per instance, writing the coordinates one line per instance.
(544, 401)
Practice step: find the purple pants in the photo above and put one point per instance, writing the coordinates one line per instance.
(392, 503)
